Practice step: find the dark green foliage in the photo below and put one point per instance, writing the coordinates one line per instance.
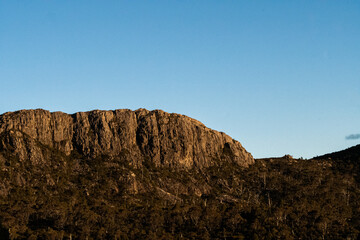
(107, 198)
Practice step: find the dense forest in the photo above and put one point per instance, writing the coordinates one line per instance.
(72, 197)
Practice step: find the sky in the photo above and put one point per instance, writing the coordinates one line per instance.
(281, 77)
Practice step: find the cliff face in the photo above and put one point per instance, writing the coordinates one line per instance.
(164, 139)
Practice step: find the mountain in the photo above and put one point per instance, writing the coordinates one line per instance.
(154, 175)
(162, 138)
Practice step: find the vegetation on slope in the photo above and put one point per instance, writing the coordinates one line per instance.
(71, 197)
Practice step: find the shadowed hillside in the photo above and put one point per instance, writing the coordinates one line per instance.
(349, 155)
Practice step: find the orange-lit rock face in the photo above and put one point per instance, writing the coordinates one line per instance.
(165, 139)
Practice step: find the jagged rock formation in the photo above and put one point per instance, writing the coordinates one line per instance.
(164, 139)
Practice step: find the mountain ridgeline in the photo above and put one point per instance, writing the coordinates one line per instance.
(161, 138)
(154, 175)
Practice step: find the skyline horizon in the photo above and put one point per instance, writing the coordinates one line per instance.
(349, 137)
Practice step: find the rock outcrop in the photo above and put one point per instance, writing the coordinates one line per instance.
(164, 139)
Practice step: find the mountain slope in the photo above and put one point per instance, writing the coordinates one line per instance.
(152, 175)
(351, 154)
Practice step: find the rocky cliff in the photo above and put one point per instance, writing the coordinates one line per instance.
(161, 138)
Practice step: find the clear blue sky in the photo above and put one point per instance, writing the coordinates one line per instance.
(282, 77)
